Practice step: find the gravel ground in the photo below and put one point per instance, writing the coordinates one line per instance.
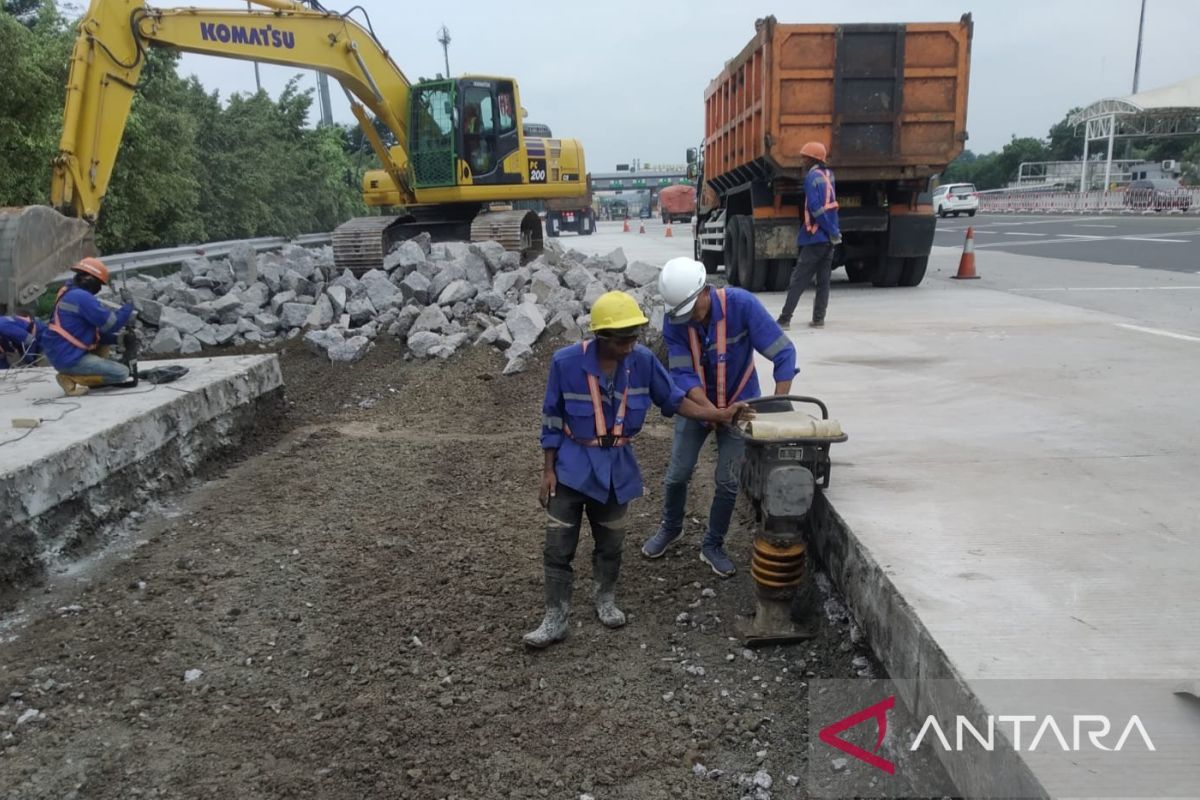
(338, 614)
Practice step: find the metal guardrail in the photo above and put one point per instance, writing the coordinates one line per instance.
(1131, 201)
(119, 263)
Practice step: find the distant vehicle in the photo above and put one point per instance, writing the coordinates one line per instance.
(677, 203)
(644, 213)
(1160, 194)
(570, 214)
(956, 198)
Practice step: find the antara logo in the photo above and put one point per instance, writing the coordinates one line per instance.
(240, 34)
(1095, 726)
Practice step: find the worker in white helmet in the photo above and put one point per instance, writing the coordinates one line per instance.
(712, 335)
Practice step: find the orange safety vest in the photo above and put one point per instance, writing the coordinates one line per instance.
(722, 342)
(830, 201)
(603, 438)
(56, 326)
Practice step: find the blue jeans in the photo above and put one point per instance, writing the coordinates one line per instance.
(110, 371)
(689, 438)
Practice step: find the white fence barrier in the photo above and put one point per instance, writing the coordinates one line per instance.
(1132, 201)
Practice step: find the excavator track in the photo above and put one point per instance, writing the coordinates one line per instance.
(361, 244)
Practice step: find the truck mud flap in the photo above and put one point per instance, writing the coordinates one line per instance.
(775, 238)
(911, 235)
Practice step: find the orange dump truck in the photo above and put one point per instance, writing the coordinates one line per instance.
(890, 103)
(677, 203)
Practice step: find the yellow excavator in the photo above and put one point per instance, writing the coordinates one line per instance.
(460, 158)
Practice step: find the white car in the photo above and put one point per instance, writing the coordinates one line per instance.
(956, 198)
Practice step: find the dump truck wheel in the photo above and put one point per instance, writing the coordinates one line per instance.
(914, 271)
(779, 274)
(732, 274)
(889, 271)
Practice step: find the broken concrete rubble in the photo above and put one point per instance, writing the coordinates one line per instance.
(437, 297)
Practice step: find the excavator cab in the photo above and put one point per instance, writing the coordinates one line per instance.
(462, 131)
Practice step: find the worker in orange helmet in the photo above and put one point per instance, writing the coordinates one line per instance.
(819, 234)
(81, 329)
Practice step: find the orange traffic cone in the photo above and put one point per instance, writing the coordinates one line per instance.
(642, 228)
(669, 234)
(626, 229)
(966, 265)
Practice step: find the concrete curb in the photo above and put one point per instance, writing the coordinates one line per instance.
(910, 654)
(59, 506)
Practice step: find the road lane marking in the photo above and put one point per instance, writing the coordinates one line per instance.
(1081, 225)
(1148, 239)
(1159, 332)
(1023, 233)
(1108, 288)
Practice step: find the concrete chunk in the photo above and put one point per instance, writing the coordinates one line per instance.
(322, 313)
(405, 320)
(168, 341)
(378, 288)
(149, 311)
(338, 297)
(294, 315)
(446, 276)
(513, 281)
(616, 261)
(351, 350)
(257, 295)
(519, 356)
(278, 300)
(456, 292)
(319, 342)
(421, 342)
(207, 336)
(416, 286)
(191, 345)
(224, 334)
(576, 279)
(432, 318)
(525, 323)
(264, 321)
(181, 320)
(361, 311)
(492, 254)
(244, 261)
(594, 290)
(405, 258)
(639, 273)
(545, 281)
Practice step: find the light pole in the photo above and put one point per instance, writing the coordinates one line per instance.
(444, 41)
(1137, 64)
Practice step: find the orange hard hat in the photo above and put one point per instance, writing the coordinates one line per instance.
(94, 267)
(814, 150)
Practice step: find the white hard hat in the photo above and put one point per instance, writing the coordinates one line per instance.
(680, 283)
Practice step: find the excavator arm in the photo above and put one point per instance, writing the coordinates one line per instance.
(110, 52)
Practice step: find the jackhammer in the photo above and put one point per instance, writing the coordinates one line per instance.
(787, 461)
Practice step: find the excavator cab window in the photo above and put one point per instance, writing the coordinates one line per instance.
(432, 142)
(489, 131)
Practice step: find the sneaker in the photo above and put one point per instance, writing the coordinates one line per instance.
(817, 323)
(784, 322)
(657, 544)
(716, 558)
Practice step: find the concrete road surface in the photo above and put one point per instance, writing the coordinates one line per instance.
(1019, 487)
(1155, 241)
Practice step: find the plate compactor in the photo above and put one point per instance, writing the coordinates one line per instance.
(786, 462)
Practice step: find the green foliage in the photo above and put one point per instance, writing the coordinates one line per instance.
(35, 46)
(190, 168)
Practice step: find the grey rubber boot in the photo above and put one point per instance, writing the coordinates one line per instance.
(558, 612)
(606, 605)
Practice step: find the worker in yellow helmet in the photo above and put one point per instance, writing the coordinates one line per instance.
(597, 397)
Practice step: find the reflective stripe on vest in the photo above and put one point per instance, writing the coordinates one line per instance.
(830, 201)
(722, 348)
(603, 438)
(56, 326)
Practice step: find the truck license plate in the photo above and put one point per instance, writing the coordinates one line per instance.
(850, 202)
(570, 217)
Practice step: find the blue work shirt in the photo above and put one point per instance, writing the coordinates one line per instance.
(82, 316)
(20, 340)
(749, 327)
(601, 472)
(826, 220)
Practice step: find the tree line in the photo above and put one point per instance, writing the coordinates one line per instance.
(192, 167)
(997, 169)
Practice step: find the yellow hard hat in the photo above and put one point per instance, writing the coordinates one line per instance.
(614, 311)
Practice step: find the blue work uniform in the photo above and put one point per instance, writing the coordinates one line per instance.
(820, 216)
(20, 340)
(569, 419)
(748, 327)
(81, 323)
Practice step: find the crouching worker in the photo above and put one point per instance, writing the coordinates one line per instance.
(597, 396)
(20, 341)
(80, 331)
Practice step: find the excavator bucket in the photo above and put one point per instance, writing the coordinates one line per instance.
(37, 244)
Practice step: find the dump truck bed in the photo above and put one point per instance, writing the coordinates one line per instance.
(890, 100)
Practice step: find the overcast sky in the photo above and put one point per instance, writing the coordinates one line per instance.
(627, 78)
